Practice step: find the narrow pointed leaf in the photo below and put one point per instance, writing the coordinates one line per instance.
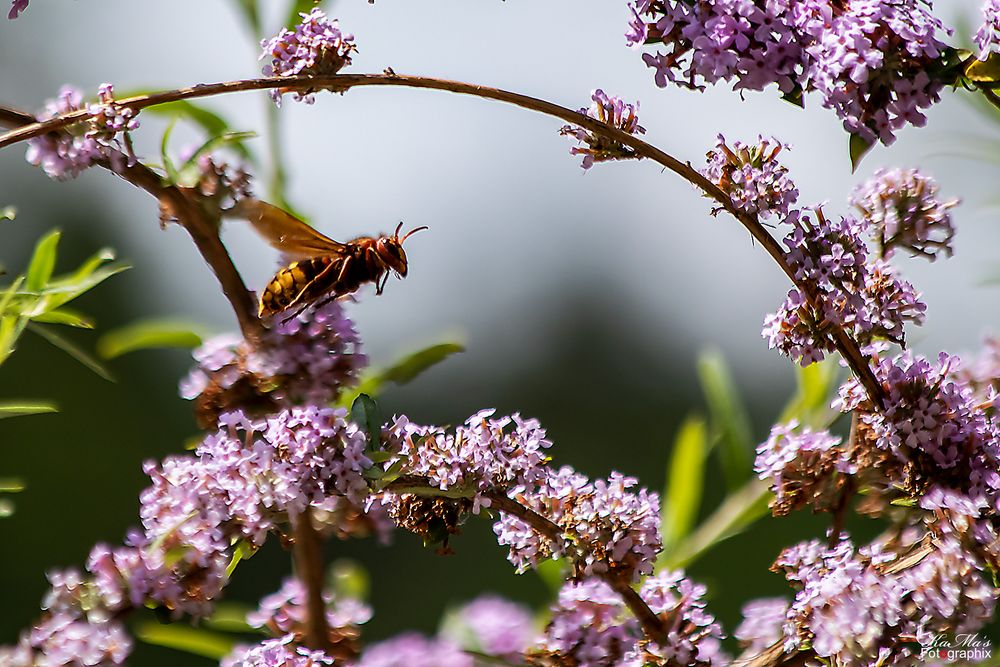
(211, 122)
(403, 371)
(146, 335)
(22, 408)
(365, 413)
(190, 171)
(685, 478)
(65, 317)
(8, 213)
(859, 147)
(187, 639)
(730, 424)
(11, 485)
(43, 262)
(168, 165)
(72, 349)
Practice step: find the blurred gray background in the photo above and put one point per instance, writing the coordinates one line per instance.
(583, 298)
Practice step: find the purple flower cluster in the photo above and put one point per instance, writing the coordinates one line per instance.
(865, 298)
(871, 602)
(752, 176)
(617, 530)
(316, 47)
(590, 627)
(281, 652)
(307, 359)
(614, 112)
(284, 612)
(902, 209)
(804, 467)
(869, 60)
(494, 626)
(988, 35)
(486, 453)
(414, 650)
(763, 625)
(16, 7)
(934, 429)
(104, 135)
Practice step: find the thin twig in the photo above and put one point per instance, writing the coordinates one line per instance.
(308, 553)
(847, 347)
(191, 216)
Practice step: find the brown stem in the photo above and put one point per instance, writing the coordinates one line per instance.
(342, 82)
(308, 553)
(191, 216)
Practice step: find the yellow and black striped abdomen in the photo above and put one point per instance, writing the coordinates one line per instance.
(299, 282)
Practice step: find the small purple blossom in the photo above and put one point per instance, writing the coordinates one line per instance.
(616, 529)
(284, 612)
(614, 112)
(752, 177)
(104, 135)
(762, 624)
(16, 7)
(492, 625)
(934, 429)
(307, 359)
(987, 37)
(276, 653)
(868, 60)
(414, 650)
(803, 467)
(316, 47)
(484, 454)
(693, 637)
(903, 210)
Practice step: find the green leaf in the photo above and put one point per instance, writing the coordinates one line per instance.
(810, 405)
(8, 213)
(43, 262)
(685, 477)
(730, 425)
(984, 71)
(230, 617)
(553, 573)
(737, 512)
(6, 508)
(349, 579)
(11, 485)
(212, 123)
(858, 147)
(84, 279)
(22, 408)
(190, 172)
(73, 350)
(403, 371)
(241, 552)
(183, 638)
(65, 317)
(168, 165)
(147, 335)
(365, 413)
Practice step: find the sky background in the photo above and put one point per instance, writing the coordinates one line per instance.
(573, 291)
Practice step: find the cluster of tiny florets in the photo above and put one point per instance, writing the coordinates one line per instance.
(307, 359)
(590, 627)
(617, 529)
(493, 625)
(484, 454)
(869, 60)
(752, 176)
(856, 604)
(63, 154)
(803, 467)
(279, 652)
(933, 426)
(762, 625)
(903, 210)
(862, 296)
(987, 37)
(614, 112)
(316, 47)
(415, 650)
